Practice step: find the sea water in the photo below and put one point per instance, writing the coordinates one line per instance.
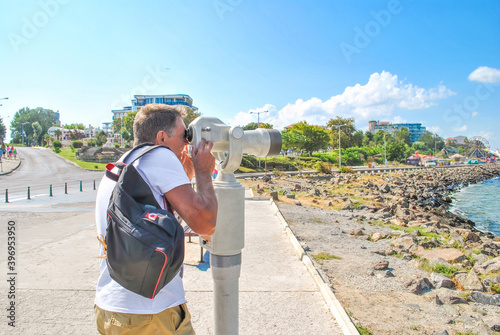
(480, 203)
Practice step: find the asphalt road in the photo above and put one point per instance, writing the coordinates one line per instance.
(39, 169)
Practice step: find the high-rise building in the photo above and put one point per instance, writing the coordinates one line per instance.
(416, 130)
(143, 100)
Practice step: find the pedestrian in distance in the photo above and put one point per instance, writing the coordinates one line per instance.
(168, 173)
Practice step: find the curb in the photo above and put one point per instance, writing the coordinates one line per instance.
(338, 312)
(19, 164)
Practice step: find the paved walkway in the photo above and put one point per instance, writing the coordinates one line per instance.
(9, 165)
(277, 293)
(57, 272)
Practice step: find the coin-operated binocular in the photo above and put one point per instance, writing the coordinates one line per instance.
(225, 245)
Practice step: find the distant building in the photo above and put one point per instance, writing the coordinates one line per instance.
(416, 130)
(457, 140)
(107, 126)
(143, 100)
(168, 99)
(118, 113)
(58, 118)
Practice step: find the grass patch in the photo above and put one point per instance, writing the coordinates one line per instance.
(495, 288)
(324, 256)
(317, 220)
(70, 154)
(362, 330)
(447, 270)
(243, 169)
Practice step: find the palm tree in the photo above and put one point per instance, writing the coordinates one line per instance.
(57, 133)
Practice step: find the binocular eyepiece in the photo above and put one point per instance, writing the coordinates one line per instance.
(231, 143)
(188, 134)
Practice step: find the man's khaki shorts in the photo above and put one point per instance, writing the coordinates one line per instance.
(175, 320)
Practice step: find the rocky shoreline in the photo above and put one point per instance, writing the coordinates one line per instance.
(397, 259)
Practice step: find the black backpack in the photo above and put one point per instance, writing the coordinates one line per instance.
(145, 244)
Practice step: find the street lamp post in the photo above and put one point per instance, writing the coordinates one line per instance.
(385, 153)
(121, 131)
(258, 123)
(22, 131)
(340, 152)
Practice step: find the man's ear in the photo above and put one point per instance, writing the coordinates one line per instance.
(160, 138)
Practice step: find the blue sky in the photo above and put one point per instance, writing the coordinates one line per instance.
(434, 62)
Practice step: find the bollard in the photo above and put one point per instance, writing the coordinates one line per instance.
(80, 185)
(6, 196)
(50, 190)
(29, 198)
(65, 188)
(94, 185)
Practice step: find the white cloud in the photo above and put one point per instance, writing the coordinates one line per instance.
(485, 74)
(379, 97)
(434, 129)
(461, 129)
(242, 119)
(486, 134)
(475, 113)
(398, 119)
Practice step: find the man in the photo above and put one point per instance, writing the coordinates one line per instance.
(167, 172)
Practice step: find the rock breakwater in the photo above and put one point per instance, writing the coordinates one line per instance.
(404, 264)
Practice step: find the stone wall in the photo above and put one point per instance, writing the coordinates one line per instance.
(99, 155)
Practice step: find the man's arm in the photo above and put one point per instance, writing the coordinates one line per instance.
(198, 209)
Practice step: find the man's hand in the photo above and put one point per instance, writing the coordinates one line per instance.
(203, 161)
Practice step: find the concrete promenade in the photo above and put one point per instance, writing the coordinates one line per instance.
(56, 273)
(9, 165)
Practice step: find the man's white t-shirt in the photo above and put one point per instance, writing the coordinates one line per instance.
(163, 171)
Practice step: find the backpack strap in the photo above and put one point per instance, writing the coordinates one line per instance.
(114, 170)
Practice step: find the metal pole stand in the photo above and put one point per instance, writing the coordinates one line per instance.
(225, 248)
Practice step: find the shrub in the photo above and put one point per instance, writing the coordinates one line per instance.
(57, 150)
(57, 144)
(250, 162)
(117, 145)
(91, 143)
(77, 144)
(323, 167)
(346, 169)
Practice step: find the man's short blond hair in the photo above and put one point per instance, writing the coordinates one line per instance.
(153, 118)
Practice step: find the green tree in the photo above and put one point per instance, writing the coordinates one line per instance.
(346, 132)
(190, 115)
(57, 134)
(2, 128)
(420, 147)
(402, 135)
(316, 137)
(292, 139)
(368, 139)
(357, 138)
(37, 132)
(432, 141)
(378, 137)
(128, 126)
(254, 125)
(78, 126)
(27, 116)
(101, 138)
(396, 151)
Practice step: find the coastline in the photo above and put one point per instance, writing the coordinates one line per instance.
(397, 259)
